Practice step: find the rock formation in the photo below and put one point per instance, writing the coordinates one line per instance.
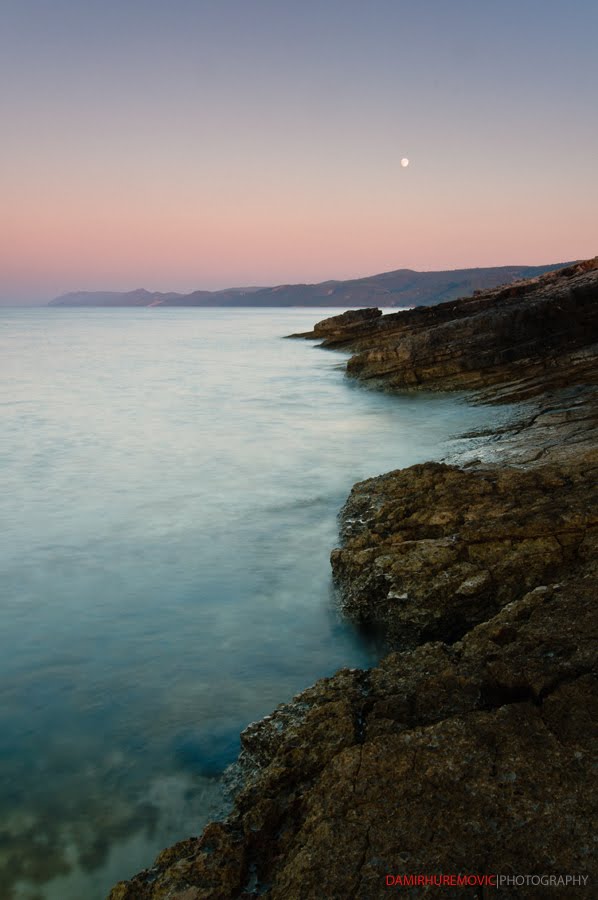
(517, 341)
(471, 747)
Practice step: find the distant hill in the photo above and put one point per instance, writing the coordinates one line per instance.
(403, 287)
(139, 297)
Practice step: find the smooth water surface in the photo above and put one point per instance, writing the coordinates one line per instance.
(169, 485)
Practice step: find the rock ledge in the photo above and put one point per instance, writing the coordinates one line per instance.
(471, 747)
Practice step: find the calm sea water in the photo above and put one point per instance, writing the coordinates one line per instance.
(169, 485)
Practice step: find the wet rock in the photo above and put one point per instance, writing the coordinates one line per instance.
(473, 757)
(471, 747)
(513, 343)
(346, 326)
(433, 550)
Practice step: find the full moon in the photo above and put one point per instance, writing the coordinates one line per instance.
(404, 162)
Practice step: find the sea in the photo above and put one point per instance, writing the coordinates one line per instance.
(170, 481)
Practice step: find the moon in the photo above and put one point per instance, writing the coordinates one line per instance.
(404, 162)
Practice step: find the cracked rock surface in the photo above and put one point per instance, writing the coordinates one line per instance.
(469, 757)
(433, 550)
(471, 747)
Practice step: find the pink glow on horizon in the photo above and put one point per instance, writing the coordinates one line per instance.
(87, 257)
(93, 242)
(208, 149)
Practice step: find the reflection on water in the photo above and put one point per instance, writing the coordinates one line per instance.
(170, 481)
(81, 856)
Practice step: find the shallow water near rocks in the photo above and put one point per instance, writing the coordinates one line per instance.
(169, 483)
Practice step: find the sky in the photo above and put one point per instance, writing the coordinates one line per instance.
(217, 143)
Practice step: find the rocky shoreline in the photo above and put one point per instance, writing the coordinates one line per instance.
(471, 747)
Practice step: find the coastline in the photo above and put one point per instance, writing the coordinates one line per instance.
(469, 747)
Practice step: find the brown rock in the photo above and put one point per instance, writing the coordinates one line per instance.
(471, 747)
(474, 757)
(432, 550)
(346, 326)
(514, 342)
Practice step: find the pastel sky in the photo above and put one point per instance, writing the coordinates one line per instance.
(210, 143)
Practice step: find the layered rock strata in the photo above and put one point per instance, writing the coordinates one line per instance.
(515, 342)
(471, 747)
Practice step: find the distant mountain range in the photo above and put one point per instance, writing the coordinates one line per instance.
(401, 288)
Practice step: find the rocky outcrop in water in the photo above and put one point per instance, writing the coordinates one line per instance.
(353, 324)
(431, 551)
(468, 757)
(471, 747)
(516, 342)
